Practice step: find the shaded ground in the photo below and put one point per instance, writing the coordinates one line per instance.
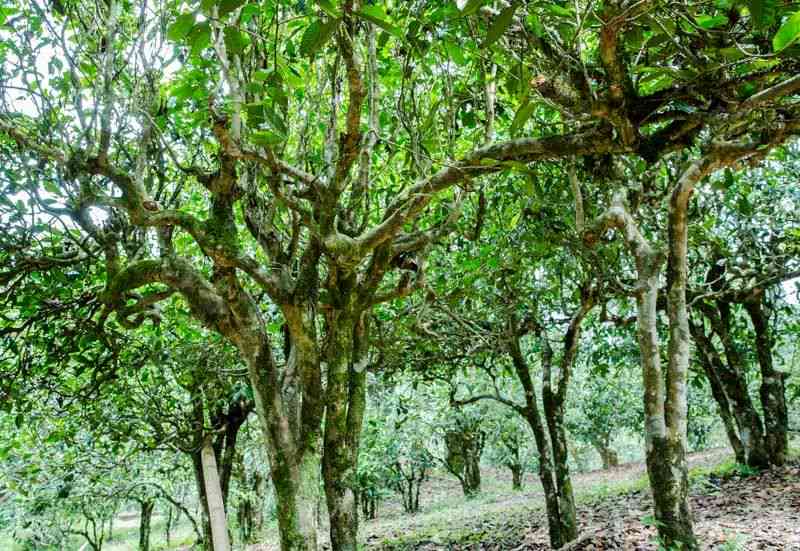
(732, 511)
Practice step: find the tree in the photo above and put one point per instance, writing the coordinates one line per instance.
(215, 152)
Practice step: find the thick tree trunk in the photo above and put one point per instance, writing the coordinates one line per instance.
(464, 450)
(346, 401)
(145, 516)
(216, 506)
(294, 470)
(772, 391)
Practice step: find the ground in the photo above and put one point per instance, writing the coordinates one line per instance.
(735, 509)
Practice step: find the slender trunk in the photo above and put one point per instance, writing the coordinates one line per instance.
(709, 358)
(772, 391)
(234, 420)
(168, 524)
(197, 465)
(146, 515)
(547, 474)
(216, 507)
(667, 459)
(731, 374)
(516, 476)
(554, 413)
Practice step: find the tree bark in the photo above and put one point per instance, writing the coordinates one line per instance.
(216, 507)
(731, 374)
(345, 404)
(560, 532)
(772, 391)
(146, 515)
(711, 364)
(464, 448)
(294, 470)
(197, 467)
(664, 396)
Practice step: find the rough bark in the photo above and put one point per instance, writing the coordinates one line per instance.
(216, 507)
(664, 393)
(294, 471)
(347, 333)
(464, 449)
(772, 391)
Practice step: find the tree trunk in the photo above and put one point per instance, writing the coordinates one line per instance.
(554, 413)
(146, 515)
(608, 456)
(732, 377)
(666, 450)
(558, 536)
(464, 450)
(516, 476)
(294, 470)
(168, 524)
(346, 401)
(197, 465)
(709, 358)
(216, 506)
(772, 391)
(664, 396)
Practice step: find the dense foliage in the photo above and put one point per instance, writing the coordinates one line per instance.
(408, 237)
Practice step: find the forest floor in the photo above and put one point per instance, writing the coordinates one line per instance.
(733, 510)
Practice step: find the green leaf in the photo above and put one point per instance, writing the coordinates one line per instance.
(328, 7)
(762, 13)
(267, 138)
(227, 6)
(377, 15)
(181, 27)
(316, 36)
(456, 52)
(788, 33)
(499, 25)
(560, 11)
(521, 116)
(235, 40)
(199, 38)
(472, 6)
(706, 21)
